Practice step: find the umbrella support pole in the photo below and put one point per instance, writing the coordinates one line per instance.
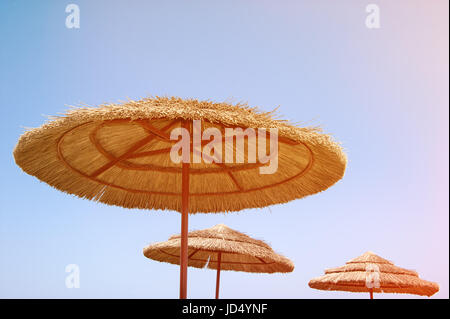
(184, 225)
(371, 293)
(219, 257)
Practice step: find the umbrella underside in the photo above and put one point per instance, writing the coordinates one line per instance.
(238, 251)
(127, 163)
(389, 283)
(229, 261)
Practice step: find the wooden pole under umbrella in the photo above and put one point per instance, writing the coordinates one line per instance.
(371, 293)
(184, 224)
(219, 257)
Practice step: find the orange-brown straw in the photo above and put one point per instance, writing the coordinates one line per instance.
(383, 275)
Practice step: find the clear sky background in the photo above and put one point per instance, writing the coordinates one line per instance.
(382, 92)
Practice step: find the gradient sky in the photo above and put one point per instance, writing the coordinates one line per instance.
(382, 92)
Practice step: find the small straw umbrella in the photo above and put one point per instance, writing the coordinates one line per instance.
(118, 154)
(221, 248)
(371, 273)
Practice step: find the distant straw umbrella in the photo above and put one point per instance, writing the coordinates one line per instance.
(119, 154)
(222, 248)
(371, 273)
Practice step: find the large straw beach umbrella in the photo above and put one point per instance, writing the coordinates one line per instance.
(221, 248)
(371, 273)
(119, 154)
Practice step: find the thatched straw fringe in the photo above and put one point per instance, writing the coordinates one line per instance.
(390, 283)
(239, 252)
(392, 279)
(61, 153)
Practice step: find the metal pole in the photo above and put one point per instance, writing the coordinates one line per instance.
(184, 225)
(219, 257)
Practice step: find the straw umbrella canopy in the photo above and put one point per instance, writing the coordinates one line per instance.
(371, 273)
(119, 154)
(221, 248)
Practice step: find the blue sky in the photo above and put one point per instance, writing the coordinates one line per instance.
(382, 92)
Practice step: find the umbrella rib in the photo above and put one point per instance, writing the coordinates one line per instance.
(132, 149)
(151, 153)
(125, 164)
(212, 261)
(125, 155)
(69, 166)
(162, 134)
(159, 133)
(155, 131)
(193, 253)
(129, 165)
(233, 178)
(223, 166)
(301, 173)
(262, 260)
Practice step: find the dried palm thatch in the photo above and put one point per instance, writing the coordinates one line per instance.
(238, 252)
(118, 154)
(355, 274)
